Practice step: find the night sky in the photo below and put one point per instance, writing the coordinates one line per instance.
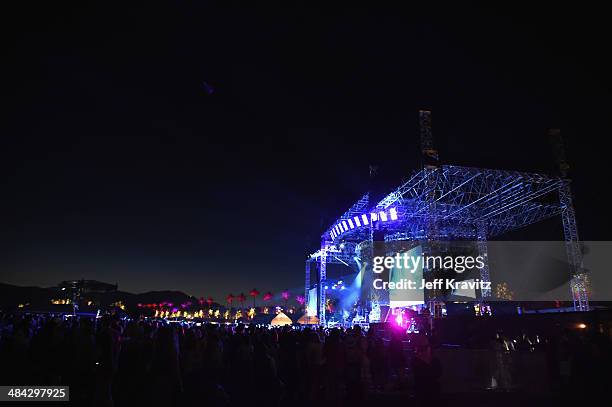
(205, 150)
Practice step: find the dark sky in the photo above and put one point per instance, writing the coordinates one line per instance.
(119, 164)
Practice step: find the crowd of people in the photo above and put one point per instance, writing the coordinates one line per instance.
(109, 361)
(577, 361)
(113, 362)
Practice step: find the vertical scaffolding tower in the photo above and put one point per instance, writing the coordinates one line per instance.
(580, 281)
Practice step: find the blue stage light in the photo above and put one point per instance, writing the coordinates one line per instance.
(350, 222)
(344, 225)
(374, 216)
(383, 216)
(365, 219)
(357, 222)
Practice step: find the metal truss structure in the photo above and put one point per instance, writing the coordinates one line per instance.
(448, 203)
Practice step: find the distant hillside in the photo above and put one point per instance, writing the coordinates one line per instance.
(12, 295)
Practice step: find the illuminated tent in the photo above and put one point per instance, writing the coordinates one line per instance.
(281, 319)
(306, 320)
(271, 319)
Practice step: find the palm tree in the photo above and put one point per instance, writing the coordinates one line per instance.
(241, 299)
(300, 299)
(229, 299)
(267, 297)
(285, 295)
(254, 293)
